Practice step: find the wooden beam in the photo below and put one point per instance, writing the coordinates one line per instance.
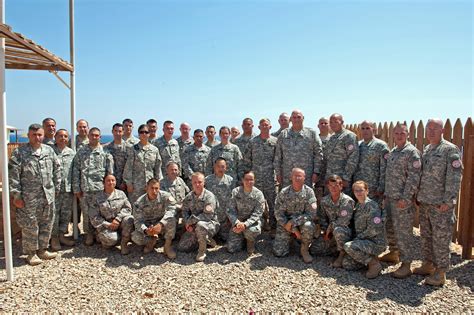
(34, 67)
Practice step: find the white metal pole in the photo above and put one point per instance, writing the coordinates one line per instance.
(4, 157)
(72, 89)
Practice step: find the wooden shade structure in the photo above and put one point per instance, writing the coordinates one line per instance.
(24, 54)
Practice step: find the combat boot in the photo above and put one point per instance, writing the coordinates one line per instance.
(66, 240)
(45, 255)
(55, 245)
(374, 268)
(426, 269)
(124, 250)
(33, 260)
(438, 278)
(168, 249)
(307, 258)
(392, 257)
(338, 262)
(250, 247)
(149, 246)
(89, 240)
(404, 271)
(201, 255)
(211, 242)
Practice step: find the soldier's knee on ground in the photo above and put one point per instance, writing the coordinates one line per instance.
(108, 238)
(138, 238)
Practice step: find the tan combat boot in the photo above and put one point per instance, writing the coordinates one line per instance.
(250, 247)
(63, 239)
(89, 240)
(392, 257)
(55, 245)
(426, 269)
(438, 278)
(124, 250)
(45, 255)
(201, 255)
(149, 246)
(33, 260)
(374, 269)
(168, 249)
(404, 271)
(307, 258)
(338, 262)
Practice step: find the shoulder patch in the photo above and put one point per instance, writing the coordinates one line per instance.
(417, 164)
(208, 209)
(377, 220)
(314, 205)
(344, 213)
(386, 155)
(456, 163)
(171, 199)
(350, 147)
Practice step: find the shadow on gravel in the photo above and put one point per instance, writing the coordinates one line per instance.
(462, 272)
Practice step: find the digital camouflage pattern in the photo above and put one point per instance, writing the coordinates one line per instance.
(119, 154)
(342, 155)
(231, 153)
(169, 151)
(195, 160)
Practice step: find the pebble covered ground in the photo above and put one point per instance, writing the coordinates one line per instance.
(90, 279)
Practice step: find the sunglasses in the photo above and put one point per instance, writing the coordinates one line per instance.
(143, 132)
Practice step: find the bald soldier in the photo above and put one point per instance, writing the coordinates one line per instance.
(185, 139)
(438, 195)
(341, 152)
(298, 147)
(284, 121)
(373, 154)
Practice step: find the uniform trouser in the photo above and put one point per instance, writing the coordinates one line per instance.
(87, 201)
(321, 247)
(269, 192)
(436, 229)
(63, 212)
(235, 240)
(203, 230)
(168, 231)
(399, 228)
(36, 221)
(360, 252)
(224, 228)
(111, 238)
(319, 193)
(281, 244)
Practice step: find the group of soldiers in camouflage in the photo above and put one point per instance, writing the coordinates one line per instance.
(329, 192)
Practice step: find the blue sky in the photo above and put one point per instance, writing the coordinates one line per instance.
(216, 62)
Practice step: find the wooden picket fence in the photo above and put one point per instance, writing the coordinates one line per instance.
(463, 137)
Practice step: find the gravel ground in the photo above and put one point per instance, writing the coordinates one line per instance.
(89, 279)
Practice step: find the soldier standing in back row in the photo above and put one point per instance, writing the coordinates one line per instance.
(438, 196)
(373, 154)
(168, 147)
(230, 152)
(298, 147)
(90, 166)
(118, 148)
(401, 184)
(35, 175)
(194, 157)
(341, 152)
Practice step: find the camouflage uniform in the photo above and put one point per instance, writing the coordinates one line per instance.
(194, 160)
(169, 151)
(178, 188)
(35, 177)
(248, 209)
(132, 140)
(89, 168)
(65, 198)
(211, 144)
(81, 142)
(105, 210)
(320, 184)
(298, 149)
(337, 218)
(298, 207)
(49, 141)
(369, 241)
(231, 153)
(143, 164)
(372, 163)
(148, 213)
(119, 153)
(222, 190)
(199, 211)
(277, 133)
(401, 183)
(259, 158)
(183, 144)
(440, 183)
(242, 142)
(342, 155)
